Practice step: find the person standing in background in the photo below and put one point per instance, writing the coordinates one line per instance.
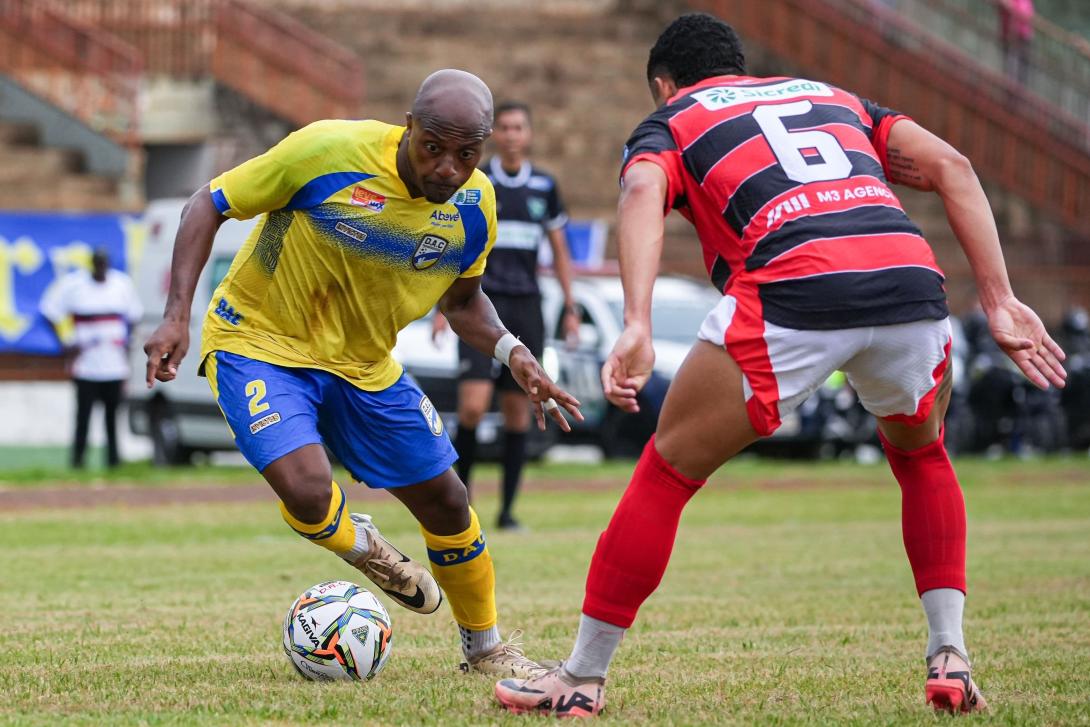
(93, 314)
(529, 210)
(1016, 34)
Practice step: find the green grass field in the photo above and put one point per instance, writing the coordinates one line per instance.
(789, 601)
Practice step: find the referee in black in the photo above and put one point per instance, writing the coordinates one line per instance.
(530, 210)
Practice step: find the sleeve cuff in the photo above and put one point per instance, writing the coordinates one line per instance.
(557, 222)
(220, 200)
(671, 183)
(881, 138)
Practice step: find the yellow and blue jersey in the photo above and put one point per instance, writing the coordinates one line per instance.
(345, 258)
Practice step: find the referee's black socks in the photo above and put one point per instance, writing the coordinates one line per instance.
(514, 457)
(465, 442)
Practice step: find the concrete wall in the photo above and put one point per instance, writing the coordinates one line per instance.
(58, 129)
(581, 67)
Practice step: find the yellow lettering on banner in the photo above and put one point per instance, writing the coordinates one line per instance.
(74, 256)
(21, 256)
(136, 237)
(450, 557)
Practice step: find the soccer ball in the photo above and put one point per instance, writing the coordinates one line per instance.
(337, 630)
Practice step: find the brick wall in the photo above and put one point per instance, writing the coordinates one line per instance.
(580, 64)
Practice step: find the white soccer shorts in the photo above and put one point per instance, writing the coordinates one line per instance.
(894, 369)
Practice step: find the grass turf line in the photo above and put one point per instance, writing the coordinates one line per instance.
(783, 605)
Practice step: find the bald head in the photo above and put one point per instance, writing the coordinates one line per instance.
(454, 100)
(446, 131)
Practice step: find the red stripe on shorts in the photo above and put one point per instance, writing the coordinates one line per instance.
(745, 342)
(927, 403)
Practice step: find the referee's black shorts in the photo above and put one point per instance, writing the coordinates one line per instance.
(521, 314)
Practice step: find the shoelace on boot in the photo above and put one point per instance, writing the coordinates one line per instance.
(393, 572)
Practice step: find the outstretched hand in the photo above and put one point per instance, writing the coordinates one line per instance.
(545, 396)
(1022, 336)
(165, 349)
(628, 368)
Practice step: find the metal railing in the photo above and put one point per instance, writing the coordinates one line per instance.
(264, 54)
(1012, 137)
(78, 68)
(1058, 62)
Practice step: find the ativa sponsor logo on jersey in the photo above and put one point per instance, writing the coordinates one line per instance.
(721, 97)
(367, 199)
(429, 251)
(792, 204)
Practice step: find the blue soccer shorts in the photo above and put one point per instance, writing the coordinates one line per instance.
(388, 438)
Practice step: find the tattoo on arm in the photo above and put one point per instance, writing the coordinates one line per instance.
(904, 170)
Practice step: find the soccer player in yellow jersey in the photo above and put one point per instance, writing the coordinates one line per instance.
(367, 227)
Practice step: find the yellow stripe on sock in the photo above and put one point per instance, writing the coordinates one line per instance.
(335, 532)
(463, 567)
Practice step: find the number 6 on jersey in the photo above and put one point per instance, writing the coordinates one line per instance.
(788, 146)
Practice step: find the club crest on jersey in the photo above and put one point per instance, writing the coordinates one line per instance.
(466, 196)
(431, 416)
(721, 97)
(536, 207)
(429, 251)
(367, 199)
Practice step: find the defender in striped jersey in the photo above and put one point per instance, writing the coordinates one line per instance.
(786, 181)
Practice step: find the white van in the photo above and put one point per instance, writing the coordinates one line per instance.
(180, 417)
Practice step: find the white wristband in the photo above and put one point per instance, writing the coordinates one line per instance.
(504, 347)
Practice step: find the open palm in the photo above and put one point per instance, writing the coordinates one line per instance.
(1022, 336)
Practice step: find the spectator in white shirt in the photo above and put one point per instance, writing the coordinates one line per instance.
(93, 314)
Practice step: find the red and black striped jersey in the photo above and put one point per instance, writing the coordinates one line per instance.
(785, 182)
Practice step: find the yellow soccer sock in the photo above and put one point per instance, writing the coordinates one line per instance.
(463, 567)
(336, 531)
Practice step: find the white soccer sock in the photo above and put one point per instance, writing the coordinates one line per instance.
(944, 607)
(363, 544)
(594, 648)
(475, 643)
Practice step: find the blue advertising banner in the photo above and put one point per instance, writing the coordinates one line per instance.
(586, 243)
(36, 248)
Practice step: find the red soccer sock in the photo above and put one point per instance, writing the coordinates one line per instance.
(932, 515)
(633, 551)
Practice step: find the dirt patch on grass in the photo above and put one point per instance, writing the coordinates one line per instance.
(158, 496)
(125, 496)
(72, 496)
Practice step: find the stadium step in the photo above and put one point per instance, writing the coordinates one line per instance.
(47, 178)
(19, 164)
(13, 133)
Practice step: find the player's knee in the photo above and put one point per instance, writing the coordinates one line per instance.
(680, 453)
(452, 503)
(447, 511)
(308, 498)
(470, 416)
